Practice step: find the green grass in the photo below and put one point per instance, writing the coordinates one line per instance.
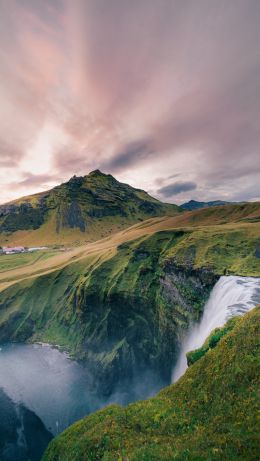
(36, 309)
(211, 341)
(9, 262)
(229, 250)
(208, 415)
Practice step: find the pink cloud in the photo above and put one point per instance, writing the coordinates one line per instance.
(124, 83)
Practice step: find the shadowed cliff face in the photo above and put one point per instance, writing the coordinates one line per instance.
(23, 436)
(137, 330)
(22, 217)
(70, 216)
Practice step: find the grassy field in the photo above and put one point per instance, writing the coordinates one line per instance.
(10, 262)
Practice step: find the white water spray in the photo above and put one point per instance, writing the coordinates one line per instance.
(230, 296)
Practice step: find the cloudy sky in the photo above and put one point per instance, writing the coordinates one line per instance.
(163, 94)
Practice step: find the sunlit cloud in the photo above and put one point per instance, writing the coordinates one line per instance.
(158, 93)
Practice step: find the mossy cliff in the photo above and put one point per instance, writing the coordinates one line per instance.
(135, 307)
(124, 313)
(208, 415)
(121, 316)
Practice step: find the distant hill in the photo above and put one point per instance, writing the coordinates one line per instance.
(194, 205)
(83, 209)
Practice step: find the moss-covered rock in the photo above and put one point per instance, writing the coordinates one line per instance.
(211, 341)
(21, 217)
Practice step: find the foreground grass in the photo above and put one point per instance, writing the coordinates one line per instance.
(208, 415)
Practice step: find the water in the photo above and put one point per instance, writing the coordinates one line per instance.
(42, 392)
(46, 382)
(232, 295)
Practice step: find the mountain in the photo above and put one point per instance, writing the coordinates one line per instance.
(194, 205)
(83, 209)
(208, 415)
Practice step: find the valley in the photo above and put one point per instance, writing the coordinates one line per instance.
(120, 300)
(129, 230)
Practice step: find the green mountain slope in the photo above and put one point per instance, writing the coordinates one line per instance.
(125, 303)
(83, 209)
(119, 314)
(209, 415)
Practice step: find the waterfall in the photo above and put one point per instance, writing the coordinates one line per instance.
(232, 295)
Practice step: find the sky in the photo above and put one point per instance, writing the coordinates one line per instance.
(162, 94)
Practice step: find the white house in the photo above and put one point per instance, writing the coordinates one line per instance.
(12, 250)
